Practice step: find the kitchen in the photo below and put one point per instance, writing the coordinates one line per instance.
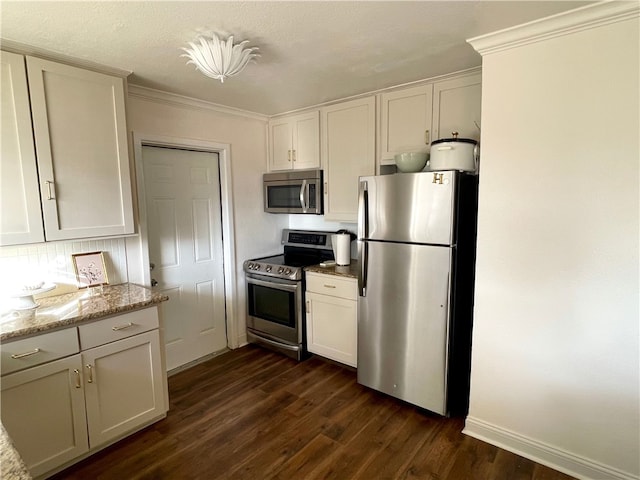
(540, 359)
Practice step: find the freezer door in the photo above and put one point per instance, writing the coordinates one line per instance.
(402, 322)
(408, 207)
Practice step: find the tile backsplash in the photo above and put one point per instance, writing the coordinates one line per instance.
(51, 262)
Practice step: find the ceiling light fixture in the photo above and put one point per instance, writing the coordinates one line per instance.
(217, 58)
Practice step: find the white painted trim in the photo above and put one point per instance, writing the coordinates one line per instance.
(416, 83)
(174, 99)
(228, 226)
(543, 453)
(23, 49)
(589, 16)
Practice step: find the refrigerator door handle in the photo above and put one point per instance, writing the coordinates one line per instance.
(363, 210)
(363, 257)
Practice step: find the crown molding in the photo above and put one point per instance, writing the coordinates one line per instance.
(583, 18)
(424, 81)
(23, 49)
(173, 99)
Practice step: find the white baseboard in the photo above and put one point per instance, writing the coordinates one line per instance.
(543, 453)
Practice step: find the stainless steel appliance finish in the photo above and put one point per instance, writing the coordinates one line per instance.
(275, 289)
(416, 246)
(296, 191)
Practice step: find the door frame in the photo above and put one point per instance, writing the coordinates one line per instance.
(226, 199)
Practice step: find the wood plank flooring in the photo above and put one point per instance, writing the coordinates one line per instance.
(254, 414)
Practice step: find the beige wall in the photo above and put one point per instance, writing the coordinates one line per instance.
(555, 370)
(256, 233)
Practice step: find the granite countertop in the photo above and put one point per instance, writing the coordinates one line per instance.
(11, 465)
(349, 271)
(77, 307)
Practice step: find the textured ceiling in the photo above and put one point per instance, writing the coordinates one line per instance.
(311, 52)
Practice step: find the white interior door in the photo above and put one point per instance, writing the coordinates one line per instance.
(182, 190)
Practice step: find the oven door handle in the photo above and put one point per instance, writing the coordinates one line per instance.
(303, 196)
(273, 284)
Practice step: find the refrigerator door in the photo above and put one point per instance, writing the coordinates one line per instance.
(403, 322)
(408, 207)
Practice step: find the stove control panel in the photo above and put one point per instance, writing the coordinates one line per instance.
(269, 270)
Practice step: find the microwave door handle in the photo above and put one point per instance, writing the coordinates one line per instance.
(303, 190)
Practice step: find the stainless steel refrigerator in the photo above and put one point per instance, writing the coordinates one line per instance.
(416, 251)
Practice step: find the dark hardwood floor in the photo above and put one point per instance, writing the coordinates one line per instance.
(254, 414)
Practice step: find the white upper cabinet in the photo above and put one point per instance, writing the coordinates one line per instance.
(405, 121)
(348, 152)
(20, 218)
(81, 145)
(295, 142)
(456, 107)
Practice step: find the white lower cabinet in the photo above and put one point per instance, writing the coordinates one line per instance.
(123, 386)
(332, 317)
(60, 411)
(43, 410)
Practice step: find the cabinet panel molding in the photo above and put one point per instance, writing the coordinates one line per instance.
(331, 321)
(348, 152)
(81, 144)
(405, 121)
(456, 107)
(295, 142)
(20, 217)
(43, 412)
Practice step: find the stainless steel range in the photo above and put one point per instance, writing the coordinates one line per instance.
(275, 291)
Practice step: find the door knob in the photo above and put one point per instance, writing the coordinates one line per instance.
(152, 266)
(154, 282)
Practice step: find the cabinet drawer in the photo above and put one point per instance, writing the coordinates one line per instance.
(39, 349)
(116, 328)
(332, 285)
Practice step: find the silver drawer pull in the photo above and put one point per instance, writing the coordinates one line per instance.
(25, 354)
(122, 327)
(329, 286)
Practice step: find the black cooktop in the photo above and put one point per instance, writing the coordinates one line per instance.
(298, 257)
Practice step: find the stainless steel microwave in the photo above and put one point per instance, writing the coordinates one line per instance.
(295, 191)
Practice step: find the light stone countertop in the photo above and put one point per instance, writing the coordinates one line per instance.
(11, 465)
(349, 271)
(73, 308)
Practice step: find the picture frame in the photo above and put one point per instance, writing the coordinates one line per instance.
(90, 269)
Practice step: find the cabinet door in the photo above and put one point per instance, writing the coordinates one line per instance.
(348, 153)
(281, 139)
(405, 117)
(332, 328)
(81, 142)
(306, 134)
(456, 107)
(20, 217)
(43, 412)
(123, 386)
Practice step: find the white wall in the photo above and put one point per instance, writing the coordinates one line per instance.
(555, 369)
(256, 233)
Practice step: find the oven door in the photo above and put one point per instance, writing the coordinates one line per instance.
(274, 308)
